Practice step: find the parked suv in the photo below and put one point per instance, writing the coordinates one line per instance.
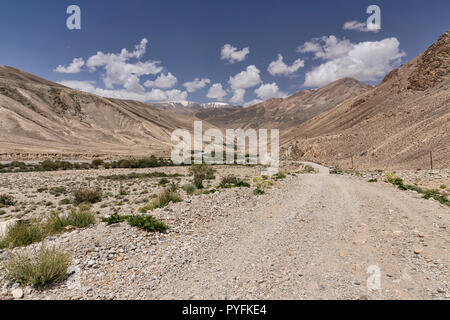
(333, 170)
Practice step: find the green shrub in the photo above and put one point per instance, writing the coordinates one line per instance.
(44, 267)
(436, 195)
(115, 218)
(231, 182)
(77, 218)
(163, 181)
(64, 201)
(189, 188)
(258, 191)
(201, 172)
(373, 180)
(97, 162)
(443, 186)
(57, 191)
(204, 170)
(147, 223)
(280, 175)
(7, 200)
(162, 200)
(87, 196)
(22, 234)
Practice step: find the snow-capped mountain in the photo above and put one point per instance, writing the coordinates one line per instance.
(188, 107)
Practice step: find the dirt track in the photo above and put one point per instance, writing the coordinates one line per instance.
(311, 236)
(317, 236)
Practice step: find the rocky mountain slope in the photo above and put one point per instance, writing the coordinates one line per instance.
(42, 119)
(286, 113)
(394, 125)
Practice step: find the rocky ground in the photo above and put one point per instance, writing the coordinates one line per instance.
(311, 236)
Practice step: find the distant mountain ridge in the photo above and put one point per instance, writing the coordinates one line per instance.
(285, 113)
(189, 107)
(394, 125)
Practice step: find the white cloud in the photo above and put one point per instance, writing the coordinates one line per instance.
(163, 82)
(74, 67)
(153, 95)
(326, 47)
(120, 72)
(358, 26)
(365, 61)
(216, 92)
(246, 79)
(196, 84)
(268, 91)
(176, 95)
(125, 69)
(232, 54)
(238, 96)
(242, 81)
(278, 67)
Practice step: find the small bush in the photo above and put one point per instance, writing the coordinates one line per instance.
(147, 223)
(231, 182)
(373, 180)
(115, 218)
(204, 170)
(78, 218)
(280, 175)
(97, 162)
(7, 200)
(22, 234)
(443, 186)
(258, 192)
(163, 181)
(198, 181)
(57, 191)
(163, 200)
(64, 201)
(44, 267)
(87, 196)
(436, 195)
(189, 188)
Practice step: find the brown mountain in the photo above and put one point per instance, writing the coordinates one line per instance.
(395, 125)
(285, 113)
(42, 119)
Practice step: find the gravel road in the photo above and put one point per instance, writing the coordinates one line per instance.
(311, 236)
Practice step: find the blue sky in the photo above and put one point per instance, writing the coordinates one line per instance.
(187, 39)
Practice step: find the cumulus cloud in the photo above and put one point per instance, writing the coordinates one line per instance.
(238, 96)
(278, 67)
(216, 92)
(358, 26)
(365, 61)
(246, 79)
(124, 70)
(232, 54)
(74, 67)
(119, 71)
(153, 95)
(164, 81)
(196, 84)
(242, 81)
(268, 91)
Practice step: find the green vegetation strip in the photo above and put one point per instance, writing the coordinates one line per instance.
(427, 194)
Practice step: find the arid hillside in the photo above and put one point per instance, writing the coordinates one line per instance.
(286, 113)
(41, 119)
(394, 125)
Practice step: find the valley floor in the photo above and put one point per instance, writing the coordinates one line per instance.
(311, 236)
